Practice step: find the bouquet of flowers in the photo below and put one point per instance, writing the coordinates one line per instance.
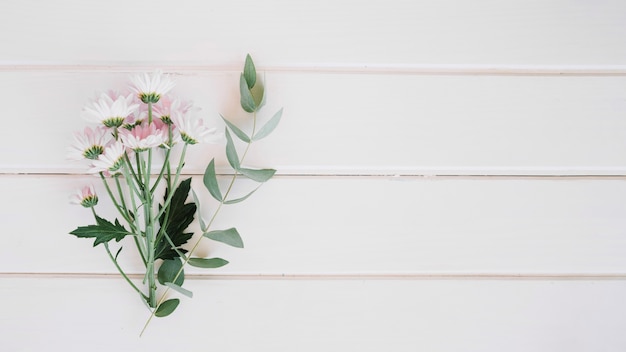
(122, 150)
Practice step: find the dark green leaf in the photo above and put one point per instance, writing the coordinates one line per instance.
(207, 263)
(249, 72)
(118, 252)
(229, 236)
(180, 216)
(258, 175)
(210, 181)
(269, 126)
(179, 289)
(247, 101)
(239, 133)
(168, 270)
(233, 201)
(103, 232)
(166, 308)
(231, 152)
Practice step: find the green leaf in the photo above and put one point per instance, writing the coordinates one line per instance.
(166, 308)
(181, 215)
(210, 181)
(247, 101)
(233, 201)
(258, 95)
(258, 175)
(230, 237)
(249, 72)
(203, 226)
(118, 252)
(179, 289)
(168, 270)
(207, 263)
(239, 133)
(231, 152)
(269, 126)
(104, 231)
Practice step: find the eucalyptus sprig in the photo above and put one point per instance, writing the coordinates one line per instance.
(132, 129)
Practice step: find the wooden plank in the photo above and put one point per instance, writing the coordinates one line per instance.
(357, 123)
(345, 32)
(353, 226)
(315, 315)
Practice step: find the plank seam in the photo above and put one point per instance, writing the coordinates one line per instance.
(339, 276)
(356, 68)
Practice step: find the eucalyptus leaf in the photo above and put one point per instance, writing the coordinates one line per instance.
(257, 175)
(229, 236)
(210, 181)
(258, 94)
(168, 270)
(207, 263)
(179, 289)
(239, 133)
(231, 151)
(249, 72)
(237, 200)
(166, 308)
(203, 226)
(269, 126)
(247, 101)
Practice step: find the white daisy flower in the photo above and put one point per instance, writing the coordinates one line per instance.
(110, 109)
(111, 160)
(192, 130)
(150, 88)
(89, 144)
(85, 196)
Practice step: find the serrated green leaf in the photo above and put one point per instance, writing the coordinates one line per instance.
(247, 101)
(166, 308)
(180, 216)
(231, 151)
(257, 175)
(210, 181)
(239, 133)
(269, 126)
(249, 72)
(179, 289)
(207, 263)
(168, 270)
(103, 232)
(237, 200)
(229, 236)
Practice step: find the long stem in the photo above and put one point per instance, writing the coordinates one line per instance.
(195, 246)
(114, 260)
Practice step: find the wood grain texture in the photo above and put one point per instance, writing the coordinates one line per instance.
(353, 225)
(519, 247)
(315, 32)
(358, 123)
(314, 315)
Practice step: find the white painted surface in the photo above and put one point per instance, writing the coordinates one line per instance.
(376, 95)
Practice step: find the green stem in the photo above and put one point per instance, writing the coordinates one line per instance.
(195, 246)
(114, 260)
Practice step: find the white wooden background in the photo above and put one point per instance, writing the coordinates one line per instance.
(451, 174)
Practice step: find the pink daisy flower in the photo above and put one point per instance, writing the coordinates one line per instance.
(192, 130)
(150, 88)
(143, 137)
(85, 196)
(111, 160)
(111, 109)
(89, 144)
(163, 109)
